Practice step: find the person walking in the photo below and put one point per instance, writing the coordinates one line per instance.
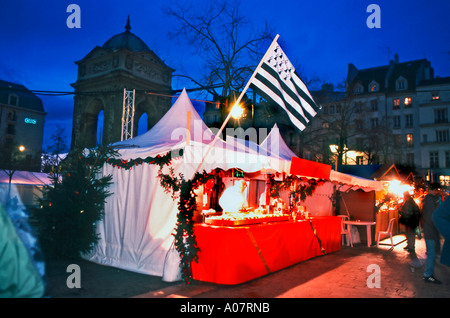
(410, 216)
(432, 236)
(441, 220)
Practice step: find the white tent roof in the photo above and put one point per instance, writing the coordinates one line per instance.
(274, 144)
(26, 178)
(171, 133)
(351, 182)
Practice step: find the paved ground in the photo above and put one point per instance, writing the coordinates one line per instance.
(347, 273)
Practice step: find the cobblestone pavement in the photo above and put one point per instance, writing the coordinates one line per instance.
(342, 274)
(348, 273)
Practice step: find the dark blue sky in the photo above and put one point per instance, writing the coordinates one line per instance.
(38, 50)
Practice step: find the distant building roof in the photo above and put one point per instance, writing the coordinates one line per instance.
(376, 172)
(26, 99)
(363, 171)
(435, 81)
(387, 75)
(127, 40)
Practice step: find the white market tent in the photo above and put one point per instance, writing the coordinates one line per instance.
(136, 231)
(26, 186)
(140, 217)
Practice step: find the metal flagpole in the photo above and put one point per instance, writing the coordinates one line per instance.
(237, 102)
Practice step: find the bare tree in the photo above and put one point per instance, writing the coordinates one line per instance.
(224, 40)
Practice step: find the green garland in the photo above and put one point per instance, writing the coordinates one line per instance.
(303, 187)
(185, 241)
(161, 161)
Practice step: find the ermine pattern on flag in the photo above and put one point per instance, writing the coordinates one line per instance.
(276, 80)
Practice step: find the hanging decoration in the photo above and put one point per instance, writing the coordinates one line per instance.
(300, 188)
(185, 242)
(161, 161)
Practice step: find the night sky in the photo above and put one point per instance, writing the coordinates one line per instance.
(38, 50)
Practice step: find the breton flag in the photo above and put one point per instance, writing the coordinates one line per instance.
(276, 80)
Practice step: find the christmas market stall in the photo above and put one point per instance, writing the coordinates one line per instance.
(386, 200)
(148, 226)
(242, 215)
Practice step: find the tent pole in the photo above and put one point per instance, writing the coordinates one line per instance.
(188, 132)
(237, 102)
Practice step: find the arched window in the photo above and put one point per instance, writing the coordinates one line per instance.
(374, 87)
(93, 123)
(100, 121)
(142, 124)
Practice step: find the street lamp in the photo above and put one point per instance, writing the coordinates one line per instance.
(334, 150)
(237, 111)
(21, 148)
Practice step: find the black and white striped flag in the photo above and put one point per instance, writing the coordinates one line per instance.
(276, 80)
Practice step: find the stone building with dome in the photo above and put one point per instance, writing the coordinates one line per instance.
(122, 62)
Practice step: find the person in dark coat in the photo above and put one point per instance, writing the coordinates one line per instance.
(432, 236)
(410, 216)
(441, 220)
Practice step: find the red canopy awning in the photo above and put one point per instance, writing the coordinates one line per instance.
(307, 168)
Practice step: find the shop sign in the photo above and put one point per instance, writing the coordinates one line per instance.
(30, 121)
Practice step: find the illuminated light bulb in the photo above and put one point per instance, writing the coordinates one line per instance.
(237, 111)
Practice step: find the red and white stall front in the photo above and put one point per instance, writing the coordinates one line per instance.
(234, 250)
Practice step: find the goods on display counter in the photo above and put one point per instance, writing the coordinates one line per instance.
(245, 219)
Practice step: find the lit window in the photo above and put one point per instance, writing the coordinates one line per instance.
(373, 87)
(396, 103)
(435, 96)
(408, 101)
(409, 140)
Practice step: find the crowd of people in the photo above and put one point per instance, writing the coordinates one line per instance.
(430, 217)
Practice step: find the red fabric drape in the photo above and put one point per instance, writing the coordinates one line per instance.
(233, 255)
(307, 168)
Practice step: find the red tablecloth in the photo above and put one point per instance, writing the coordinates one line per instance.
(233, 255)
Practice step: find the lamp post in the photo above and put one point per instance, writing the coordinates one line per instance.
(237, 111)
(334, 150)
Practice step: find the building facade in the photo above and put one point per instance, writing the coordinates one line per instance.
(124, 62)
(22, 119)
(397, 113)
(434, 105)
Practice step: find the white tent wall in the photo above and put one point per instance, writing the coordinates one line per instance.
(136, 231)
